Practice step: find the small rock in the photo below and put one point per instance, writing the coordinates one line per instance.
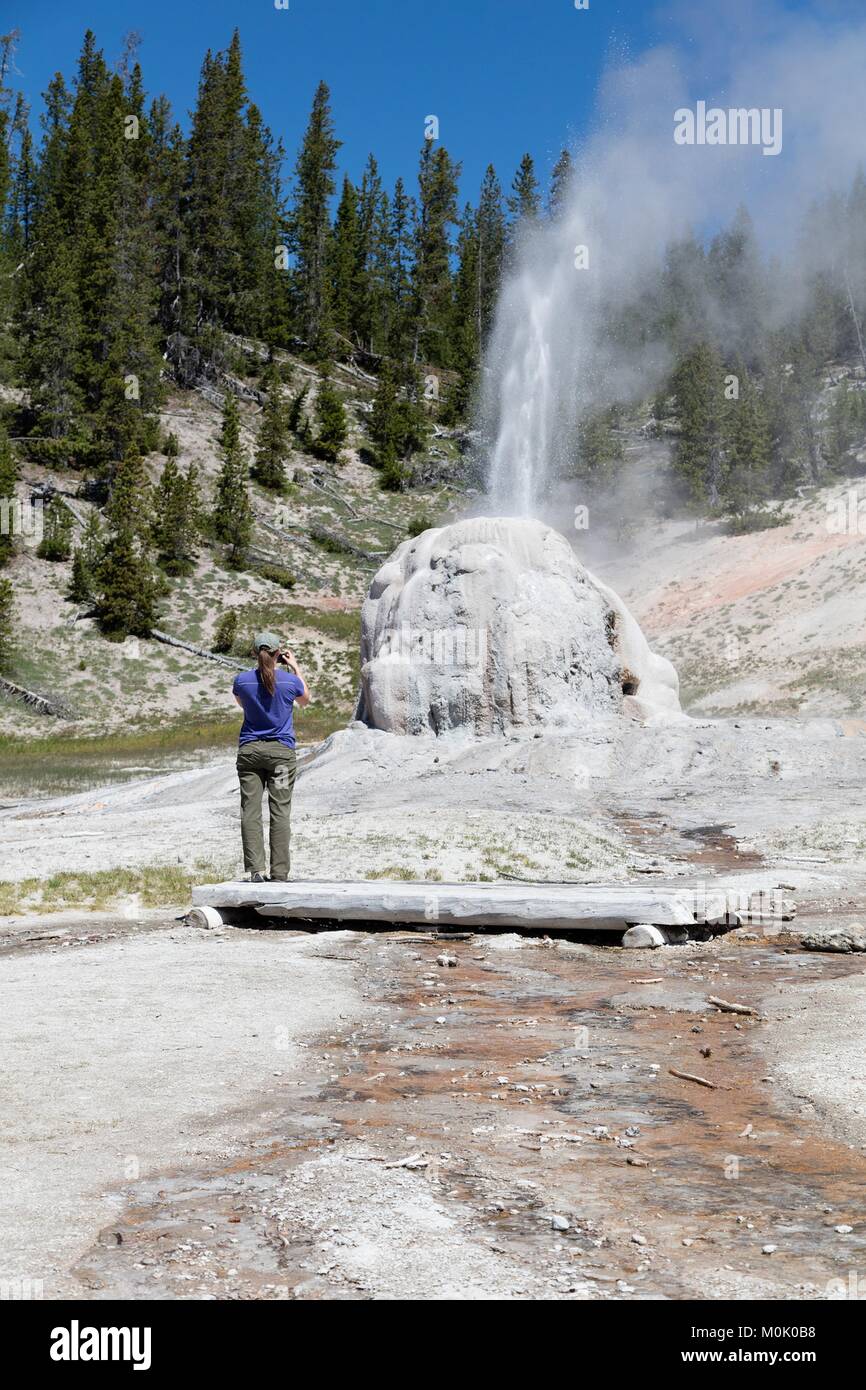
(768, 1249)
(559, 1223)
(843, 1230)
(446, 960)
(638, 1240)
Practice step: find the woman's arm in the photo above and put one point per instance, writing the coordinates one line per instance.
(289, 659)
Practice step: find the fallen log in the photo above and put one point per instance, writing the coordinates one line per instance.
(57, 709)
(333, 541)
(292, 536)
(170, 641)
(375, 518)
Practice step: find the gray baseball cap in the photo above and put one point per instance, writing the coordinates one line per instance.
(267, 639)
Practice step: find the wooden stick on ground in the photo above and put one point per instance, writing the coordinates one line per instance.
(690, 1076)
(727, 1008)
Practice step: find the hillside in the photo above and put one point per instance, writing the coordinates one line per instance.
(765, 623)
(141, 698)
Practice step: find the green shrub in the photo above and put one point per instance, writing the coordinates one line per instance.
(226, 631)
(277, 574)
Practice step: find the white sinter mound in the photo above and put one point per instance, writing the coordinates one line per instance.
(493, 624)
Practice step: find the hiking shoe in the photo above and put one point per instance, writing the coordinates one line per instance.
(259, 878)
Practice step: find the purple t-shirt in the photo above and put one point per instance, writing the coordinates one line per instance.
(267, 716)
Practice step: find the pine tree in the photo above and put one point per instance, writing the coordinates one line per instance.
(56, 543)
(845, 421)
(127, 590)
(87, 302)
(51, 329)
(699, 393)
(226, 631)
(736, 281)
(788, 399)
(263, 292)
(746, 478)
(384, 423)
(599, 448)
(214, 175)
(375, 309)
(298, 420)
(491, 251)
(120, 327)
(232, 512)
(683, 305)
(86, 559)
(127, 594)
(525, 201)
(177, 518)
(8, 478)
(166, 179)
(272, 446)
(397, 423)
(466, 341)
(346, 256)
(401, 272)
(559, 179)
(23, 202)
(16, 239)
(232, 213)
(333, 428)
(310, 222)
(411, 414)
(432, 290)
(130, 500)
(7, 626)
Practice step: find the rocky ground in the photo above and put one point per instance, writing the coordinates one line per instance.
(363, 1115)
(265, 1113)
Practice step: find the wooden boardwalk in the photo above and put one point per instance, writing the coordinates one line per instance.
(547, 906)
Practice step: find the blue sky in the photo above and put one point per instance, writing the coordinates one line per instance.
(503, 76)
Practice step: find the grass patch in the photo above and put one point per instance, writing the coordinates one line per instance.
(393, 871)
(152, 885)
(60, 763)
(169, 738)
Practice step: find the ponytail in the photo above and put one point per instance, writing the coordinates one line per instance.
(267, 672)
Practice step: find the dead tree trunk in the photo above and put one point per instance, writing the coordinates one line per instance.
(196, 651)
(56, 708)
(335, 542)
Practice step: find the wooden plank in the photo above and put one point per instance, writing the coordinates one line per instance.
(552, 907)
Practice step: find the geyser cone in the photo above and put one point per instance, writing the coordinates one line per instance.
(492, 624)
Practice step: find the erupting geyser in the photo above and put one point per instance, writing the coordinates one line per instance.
(493, 624)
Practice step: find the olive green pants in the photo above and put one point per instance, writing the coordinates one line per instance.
(266, 763)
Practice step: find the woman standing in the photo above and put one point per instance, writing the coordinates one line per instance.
(266, 755)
